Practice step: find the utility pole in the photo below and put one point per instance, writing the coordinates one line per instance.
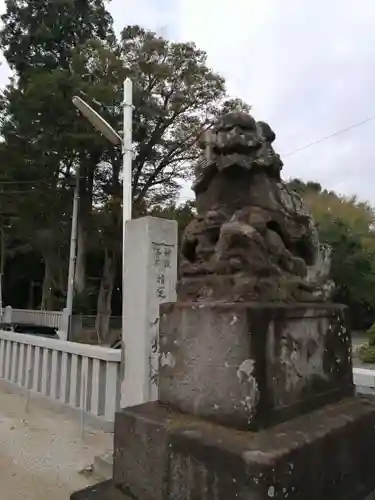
(127, 151)
(2, 258)
(2, 263)
(127, 158)
(72, 257)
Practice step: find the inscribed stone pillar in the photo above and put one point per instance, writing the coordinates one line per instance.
(150, 269)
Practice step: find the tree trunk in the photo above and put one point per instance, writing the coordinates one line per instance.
(86, 186)
(30, 303)
(105, 296)
(80, 271)
(47, 288)
(2, 267)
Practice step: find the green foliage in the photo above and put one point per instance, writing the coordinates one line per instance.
(348, 227)
(66, 48)
(352, 263)
(366, 353)
(43, 141)
(175, 96)
(39, 35)
(183, 214)
(304, 187)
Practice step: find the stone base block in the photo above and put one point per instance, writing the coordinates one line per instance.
(326, 454)
(252, 365)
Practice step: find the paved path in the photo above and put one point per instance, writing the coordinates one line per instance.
(42, 453)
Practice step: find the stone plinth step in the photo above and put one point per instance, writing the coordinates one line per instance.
(161, 454)
(103, 466)
(105, 490)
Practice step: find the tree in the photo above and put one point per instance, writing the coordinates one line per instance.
(39, 39)
(352, 269)
(175, 97)
(39, 35)
(183, 214)
(359, 216)
(347, 225)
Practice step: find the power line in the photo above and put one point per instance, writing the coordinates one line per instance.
(311, 144)
(37, 181)
(40, 182)
(25, 191)
(338, 132)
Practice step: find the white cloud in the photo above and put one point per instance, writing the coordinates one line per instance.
(158, 15)
(308, 68)
(4, 69)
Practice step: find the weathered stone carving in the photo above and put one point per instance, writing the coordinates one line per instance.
(253, 238)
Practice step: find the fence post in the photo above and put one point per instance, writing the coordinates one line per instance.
(64, 326)
(83, 405)
(7, 318)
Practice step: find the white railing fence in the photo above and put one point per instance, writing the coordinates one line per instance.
(85, 378)
(52, 319)
(364, 380)
(79, 376)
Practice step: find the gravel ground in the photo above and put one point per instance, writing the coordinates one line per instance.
(42, 454)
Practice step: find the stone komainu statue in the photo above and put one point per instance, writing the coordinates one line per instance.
(252, 239)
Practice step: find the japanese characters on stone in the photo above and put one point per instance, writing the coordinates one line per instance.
(162, 255)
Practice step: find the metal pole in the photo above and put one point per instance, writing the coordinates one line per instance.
(1, 297)
(127, 151)
(2, 269)
(127, 154)
(28, 379)
(72, 256)
(127, 157)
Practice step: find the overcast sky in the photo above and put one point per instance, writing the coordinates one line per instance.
(308, 68)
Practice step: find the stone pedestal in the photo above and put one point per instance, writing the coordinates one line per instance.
(255, 402)
(325, 454)
(251, 365)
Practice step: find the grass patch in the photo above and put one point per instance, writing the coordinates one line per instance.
(366, 353)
